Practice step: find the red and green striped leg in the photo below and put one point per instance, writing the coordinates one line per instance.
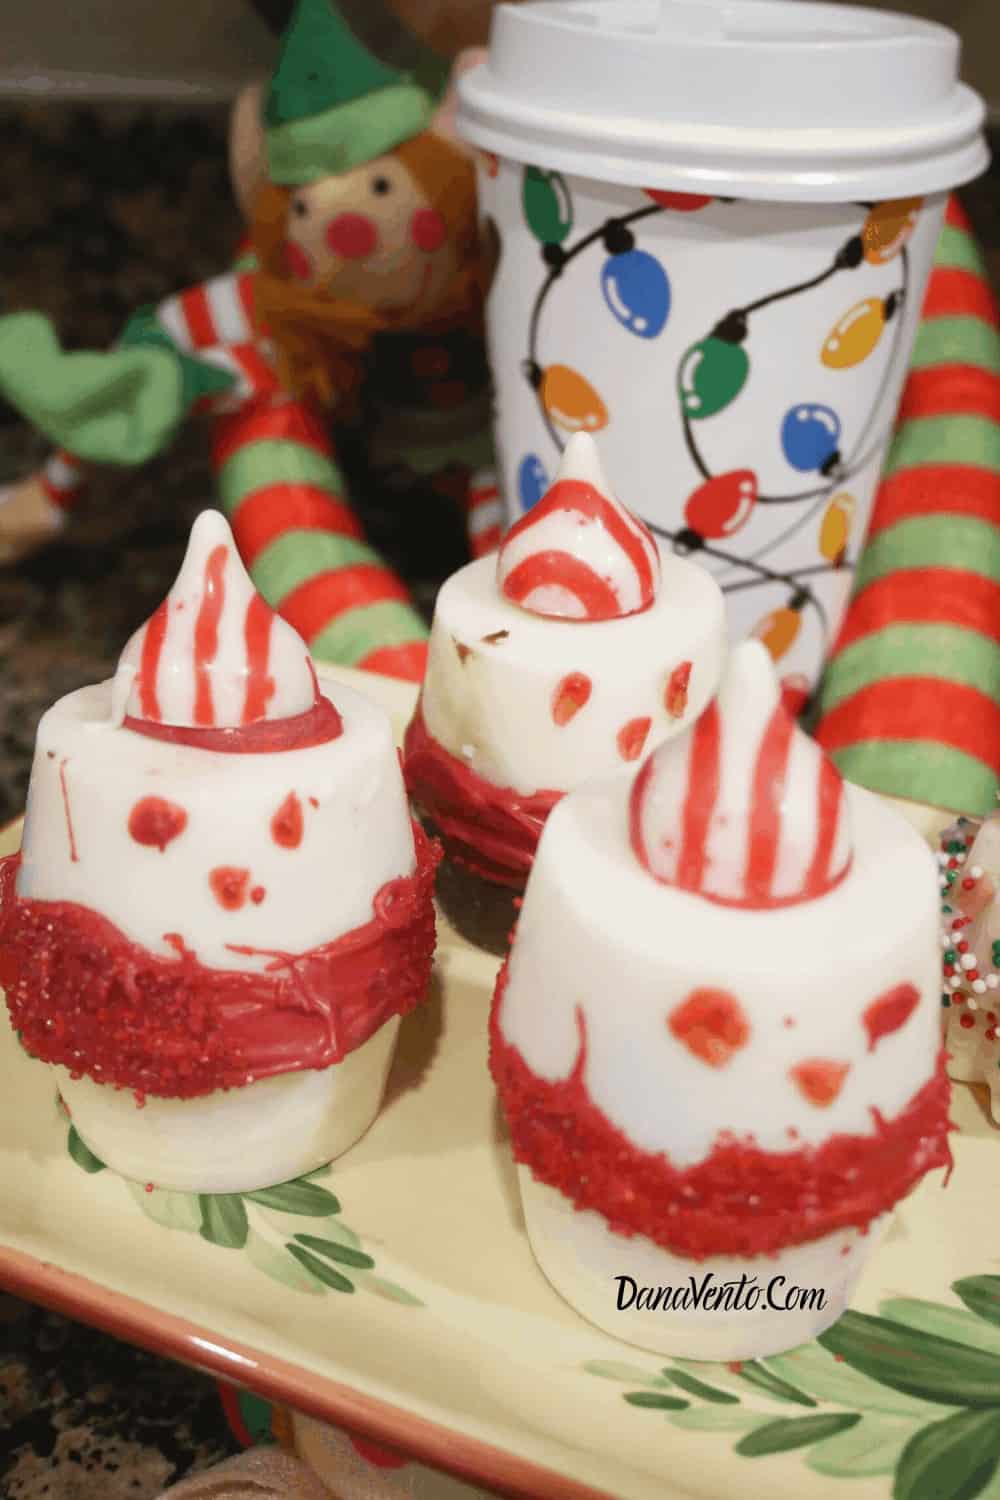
(280, 486)
(911, 696)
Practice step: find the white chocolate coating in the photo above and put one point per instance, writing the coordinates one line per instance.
(493, 706)
(236, 1140)
(598, 932)
(356, 838)
(582, 1257)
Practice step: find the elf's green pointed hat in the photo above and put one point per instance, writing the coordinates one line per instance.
(332, 105)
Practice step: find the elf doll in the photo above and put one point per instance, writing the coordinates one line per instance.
(357, 306)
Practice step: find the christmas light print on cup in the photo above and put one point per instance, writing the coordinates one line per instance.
(797, 459)
(579, 554)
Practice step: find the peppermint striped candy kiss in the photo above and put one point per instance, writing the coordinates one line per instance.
(214, 655)
(744, 809)
(579, 554)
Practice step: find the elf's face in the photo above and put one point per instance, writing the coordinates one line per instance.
(369, 235)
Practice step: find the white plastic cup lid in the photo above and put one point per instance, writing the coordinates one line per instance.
(779, 99)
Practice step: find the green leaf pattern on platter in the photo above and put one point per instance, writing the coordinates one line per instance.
(786, 1433)
(81, 1154)
(953, 1459)
(981, 1294)
(871, 1446)
(162, 1205)
(917, 1363)
(918, 1389)
(270, 1228)
(946, 1322)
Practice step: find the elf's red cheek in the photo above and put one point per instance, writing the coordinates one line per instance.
(351, 236)
(297, 262)
(427, 229)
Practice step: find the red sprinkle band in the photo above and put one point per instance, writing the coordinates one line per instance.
(82, 994)
(491, 830)
(740, 1200)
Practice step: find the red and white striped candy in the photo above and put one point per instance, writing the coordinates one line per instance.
(484, 513)
(744, 808)
(579, 554)
(214, 655)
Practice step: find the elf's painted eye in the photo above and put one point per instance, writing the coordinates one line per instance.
(300, 207)
(381, 186)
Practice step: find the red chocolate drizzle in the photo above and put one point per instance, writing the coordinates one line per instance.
(675, 699)
(889, 1012)
(257, 638)
(257, 894)
(155, 822)
(317, 726)
(73, 853)
(632, 737)
(229, 886)
(206, 634)
(82, 994)
(286, 825)
(491, 830)
(706, 1209)
(149, 663)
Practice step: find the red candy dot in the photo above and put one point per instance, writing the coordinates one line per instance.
(351, 235)
(889, 1012)
(632, 737)
(966, 1020)
(155, 822)
(286, 825)
(297, 262)
(257, 894)
(229, 886)
(427, 229)
(571, 694)
(711, 1025)
(819, 1080)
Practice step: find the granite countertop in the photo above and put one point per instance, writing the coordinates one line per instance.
(102, 212)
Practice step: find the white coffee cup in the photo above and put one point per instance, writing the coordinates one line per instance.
(714, 224)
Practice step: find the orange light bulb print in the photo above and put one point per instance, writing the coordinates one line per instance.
(835, 527)
(854, 335)
(888, 227)
(570, 401)
(779, 630)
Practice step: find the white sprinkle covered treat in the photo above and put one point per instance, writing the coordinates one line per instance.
(566, 658)
(969, 862)
(712, 1078)
(230, 833)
